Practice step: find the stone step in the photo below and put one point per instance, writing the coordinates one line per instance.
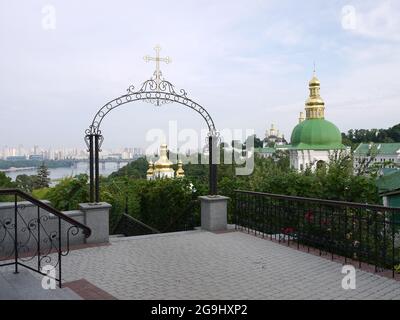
(26, 286)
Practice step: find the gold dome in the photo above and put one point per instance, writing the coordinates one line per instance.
(314, 81)
(272, 130)
(180, 172)
(163, 167)
(150, 170)
(163, 163)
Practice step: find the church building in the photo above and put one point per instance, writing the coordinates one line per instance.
(162, 168)
(314, 139)
(273, 137)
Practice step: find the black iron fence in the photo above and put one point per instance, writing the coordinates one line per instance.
(188, 219)
(360, 232)
(130, 226)
(34, 235)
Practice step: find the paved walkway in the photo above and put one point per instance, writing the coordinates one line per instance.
(27, 286)
(204, 265)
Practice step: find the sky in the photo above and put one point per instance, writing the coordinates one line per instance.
(247, 62)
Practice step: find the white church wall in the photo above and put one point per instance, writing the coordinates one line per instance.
(302, 159)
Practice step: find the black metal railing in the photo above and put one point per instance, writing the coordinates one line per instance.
(33, 234)
(188, 219)
(358, 232)
(130, 226)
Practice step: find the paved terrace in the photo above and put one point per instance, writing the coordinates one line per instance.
(204, 265)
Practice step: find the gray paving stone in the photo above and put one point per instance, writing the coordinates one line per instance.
(229, 264)
(26, 285)
(202, 265)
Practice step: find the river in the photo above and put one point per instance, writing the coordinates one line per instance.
(59, 173)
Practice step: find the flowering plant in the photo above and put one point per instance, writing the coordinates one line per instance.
(309, 216)
(288, 230)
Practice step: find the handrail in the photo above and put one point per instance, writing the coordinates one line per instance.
(86, 230)
(153, 230)
(322, 201)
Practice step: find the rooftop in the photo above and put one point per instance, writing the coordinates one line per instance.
(389, 182)
(205, 265)
(381, 148)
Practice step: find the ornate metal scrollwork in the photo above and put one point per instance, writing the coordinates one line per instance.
(35, 242)
(152, 91)
(87, 139)
(6, 232)
(101, 140)
(31, 238)
(72, 231)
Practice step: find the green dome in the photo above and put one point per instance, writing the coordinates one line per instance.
(316, 134)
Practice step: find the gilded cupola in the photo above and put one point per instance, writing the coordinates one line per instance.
(180, 173)
(315, 106)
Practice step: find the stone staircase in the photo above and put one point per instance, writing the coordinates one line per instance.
(27, 286)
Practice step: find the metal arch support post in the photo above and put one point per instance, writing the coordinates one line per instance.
(93, 141)
(212, 163)
(91, 167)
(96, 168)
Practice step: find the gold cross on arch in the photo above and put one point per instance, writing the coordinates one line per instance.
(157, 59)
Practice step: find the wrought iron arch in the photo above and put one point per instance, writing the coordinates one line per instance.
(158, 94)
(156, 91)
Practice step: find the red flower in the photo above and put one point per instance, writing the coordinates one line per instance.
(288, 230)
(325, 222)
(309, 216)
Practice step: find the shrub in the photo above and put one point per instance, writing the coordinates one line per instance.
(166, 204)
(69, 192)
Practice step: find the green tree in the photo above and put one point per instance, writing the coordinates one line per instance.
(5, 182)
(25, 183)
(356, 136)
(136, 169)
(42, 179)
(69, 192)
(258, 143)
(166, 204)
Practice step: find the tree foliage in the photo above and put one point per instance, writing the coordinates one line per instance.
(42, 179)
(356, 136)
(160, 203)
(69, 192)
(26, 183)
(5, 182)
(136, 169)
(166, 204)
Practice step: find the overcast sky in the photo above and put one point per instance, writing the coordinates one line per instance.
(247, 62)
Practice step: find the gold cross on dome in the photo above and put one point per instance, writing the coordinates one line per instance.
(157, 59)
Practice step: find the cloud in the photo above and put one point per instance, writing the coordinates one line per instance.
(247, 62)
(380, 22)
(285, 33)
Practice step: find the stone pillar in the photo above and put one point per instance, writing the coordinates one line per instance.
(96, 217)
(214, 213)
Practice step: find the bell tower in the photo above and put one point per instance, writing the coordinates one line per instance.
(315, 106)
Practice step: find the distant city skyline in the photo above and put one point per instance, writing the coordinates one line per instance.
(64, 153)
(247, 62)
